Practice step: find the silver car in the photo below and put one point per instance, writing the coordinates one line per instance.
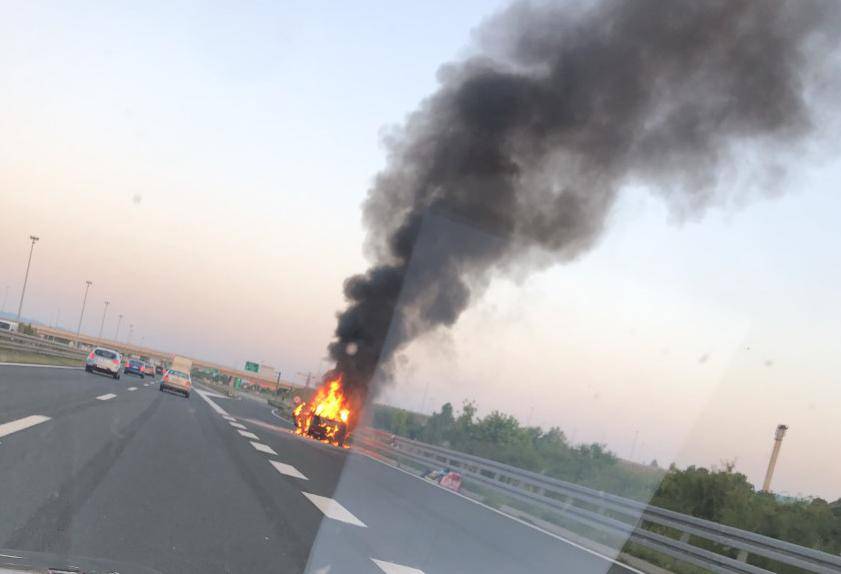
(104, 360)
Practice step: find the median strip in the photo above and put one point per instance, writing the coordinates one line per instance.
(21, 424)
(106, 397)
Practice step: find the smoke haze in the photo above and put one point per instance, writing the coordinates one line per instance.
(531, 140)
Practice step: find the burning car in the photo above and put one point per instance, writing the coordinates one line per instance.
(326, 415)
(322, 428)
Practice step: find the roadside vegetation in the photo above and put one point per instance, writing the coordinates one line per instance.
(722, 495)
(28, 358)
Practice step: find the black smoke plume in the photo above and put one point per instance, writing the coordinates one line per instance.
(532, 138)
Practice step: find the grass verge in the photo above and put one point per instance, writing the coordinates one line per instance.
(14, 356)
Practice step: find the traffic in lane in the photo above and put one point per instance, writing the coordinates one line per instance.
(214, 484)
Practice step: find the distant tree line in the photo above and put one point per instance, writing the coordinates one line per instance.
(721, 495)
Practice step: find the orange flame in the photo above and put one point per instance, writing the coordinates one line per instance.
(325, 416)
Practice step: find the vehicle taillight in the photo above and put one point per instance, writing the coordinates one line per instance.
(91, 355)
(116, 361)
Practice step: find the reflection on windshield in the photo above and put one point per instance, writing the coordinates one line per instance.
(585, 323)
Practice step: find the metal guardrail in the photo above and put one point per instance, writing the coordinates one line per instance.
(609, 513)
(28, 343)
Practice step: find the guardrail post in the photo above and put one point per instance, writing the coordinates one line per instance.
(742, 556)
(685, 537)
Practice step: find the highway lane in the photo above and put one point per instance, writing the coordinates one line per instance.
(154, 479)
(409, 520)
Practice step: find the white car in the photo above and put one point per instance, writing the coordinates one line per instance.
(103, 360)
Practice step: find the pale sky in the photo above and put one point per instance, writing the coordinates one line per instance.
(249, 134)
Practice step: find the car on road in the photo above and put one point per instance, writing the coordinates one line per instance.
(104, 360)
(324, 429)
(135, 367)
(149, 370)
(159, 370)
(178, 381)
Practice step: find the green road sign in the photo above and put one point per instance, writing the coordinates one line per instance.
(253, 367)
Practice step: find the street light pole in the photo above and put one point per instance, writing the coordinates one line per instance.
(5, 296)
(130, 333)
(102, 324)
(26, 276)
(82, 314)
(117, 332)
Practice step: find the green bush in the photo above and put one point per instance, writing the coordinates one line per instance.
(720, 495)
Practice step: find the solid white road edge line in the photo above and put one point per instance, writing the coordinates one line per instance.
(263, 448)
(392, 568)
(21, 424)
(213, 405)
(247, 434)
(42, 366)
(333, 509)
(276, 415)
(212, 394)
(288, 470)
(107, 397)
(514, 518)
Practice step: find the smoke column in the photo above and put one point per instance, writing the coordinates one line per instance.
(532, 139)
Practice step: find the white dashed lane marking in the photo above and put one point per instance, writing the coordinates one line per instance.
(21, 424)
(106, 397)
(229, 418)
(333, 509)
(392, 568)
(288, 470)
(131, 389)
(263, 448)
(247, 434)
(237, 425)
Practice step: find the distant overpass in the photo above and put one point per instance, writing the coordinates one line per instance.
(63, 336)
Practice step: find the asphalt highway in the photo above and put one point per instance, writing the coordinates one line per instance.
(91, 467)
